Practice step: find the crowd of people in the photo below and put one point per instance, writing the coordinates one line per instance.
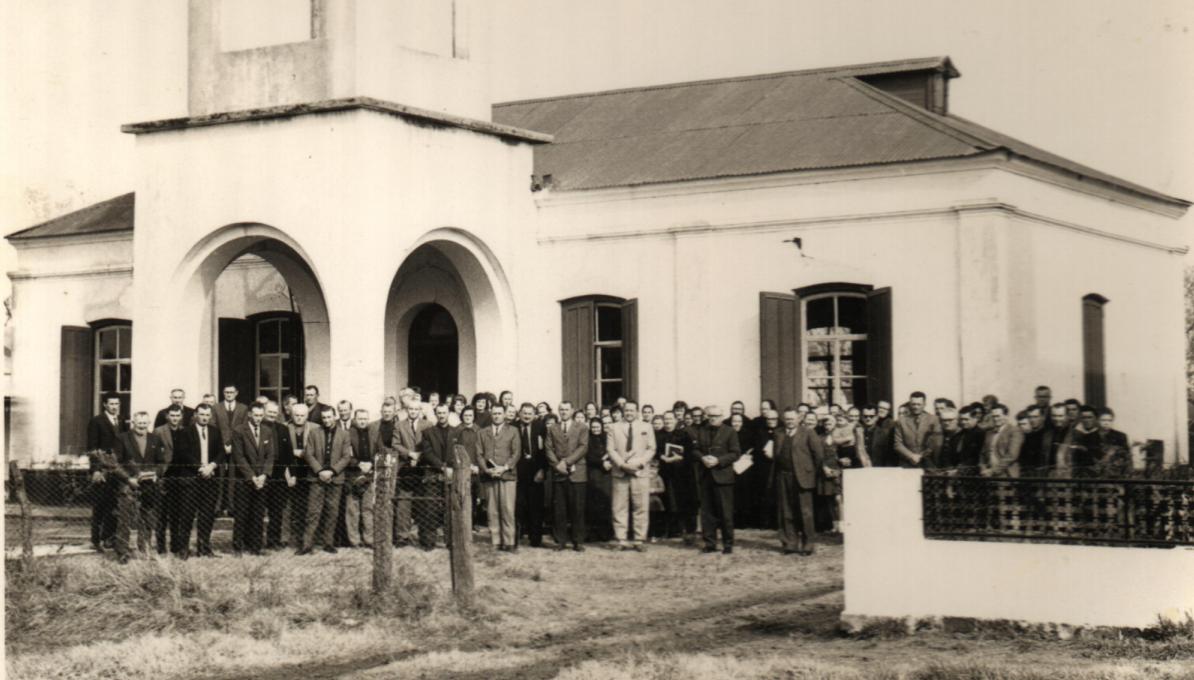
(302, 474)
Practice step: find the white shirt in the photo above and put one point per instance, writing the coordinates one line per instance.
(203, 457)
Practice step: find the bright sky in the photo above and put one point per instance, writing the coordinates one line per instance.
(1105, 82)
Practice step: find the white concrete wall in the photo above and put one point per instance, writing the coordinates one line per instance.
(892, 570)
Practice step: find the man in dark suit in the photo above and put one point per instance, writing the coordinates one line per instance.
(327, 452)
(799, 455)
(102, 432)
(197, 469)
(121, 484)
(499, 457)
(532, 472)
(717, 449)
(298, 482)
(435, 454)
(917, 437)
(281, 477)
(143, 458)
(162, 442)
(567, 443)
(229, 415)
(177, 398)
(254, 451)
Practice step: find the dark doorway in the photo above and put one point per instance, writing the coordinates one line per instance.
(434, 351)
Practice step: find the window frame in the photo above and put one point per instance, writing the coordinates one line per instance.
(600, 345)
(581, 375)
(98, 328)
(278, 392)
(835, 376)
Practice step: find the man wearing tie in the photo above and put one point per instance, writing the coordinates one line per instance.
(198, 460)
(499, 457)
(435, 450)
(102, 433)
(532, 472)
(567, 443)
(299, 430)
(717, 447)
(281, 478)
(327, 452)
(141, 456)
(631, 446)
(253, 454)
(917, 438)
(798, 454)
(410, 476)
(229, 416)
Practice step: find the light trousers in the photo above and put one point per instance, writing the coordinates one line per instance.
(358, 515)
(631, 500)
(501, 496)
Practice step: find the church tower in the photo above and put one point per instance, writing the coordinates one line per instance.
(249, 54)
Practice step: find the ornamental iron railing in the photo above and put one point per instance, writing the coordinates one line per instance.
(1120, 512)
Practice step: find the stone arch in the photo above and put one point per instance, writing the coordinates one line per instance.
(453, 269)
(195, 279)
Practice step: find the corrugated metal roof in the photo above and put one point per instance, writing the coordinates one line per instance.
(112, 215)
(779, 122)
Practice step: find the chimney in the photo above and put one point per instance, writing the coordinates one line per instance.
(924, 85)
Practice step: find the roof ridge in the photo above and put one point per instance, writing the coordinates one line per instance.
(938, 62)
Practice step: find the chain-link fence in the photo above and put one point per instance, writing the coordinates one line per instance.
(181, 513)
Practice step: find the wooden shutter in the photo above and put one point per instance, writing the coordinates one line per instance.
(238, 357)
(76, 389)
(1093, 369)
(630, 349)
(878, 345)
(576, 332)
(780, 371)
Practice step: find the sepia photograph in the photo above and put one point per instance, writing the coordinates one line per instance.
(598, 339)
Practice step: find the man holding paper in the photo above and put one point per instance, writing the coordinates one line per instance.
(717, 447)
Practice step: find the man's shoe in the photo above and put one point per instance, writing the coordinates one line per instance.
(792, 551)
(303, 551)
(558, 547)
(122, 559)
(639, 547)
(728, 550)
(330, 549)
(708, 549)
(98, 548)
(578, 548)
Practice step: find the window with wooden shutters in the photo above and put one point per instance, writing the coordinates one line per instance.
(113, 363)
(1093, 360)
(75, 388)
(600, 358)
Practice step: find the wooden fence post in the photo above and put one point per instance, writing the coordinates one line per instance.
(460, 522)
(383, 523)
(17, 479)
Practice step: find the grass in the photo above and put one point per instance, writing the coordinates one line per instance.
(670, 613)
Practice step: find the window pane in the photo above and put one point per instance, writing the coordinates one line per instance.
(126, 342)
(818, 392)
(107, 343)
(610, 391)
(609, 323)
(269, 372)
(856, 351)
(267, 337)
(611, 362)
(819, 316)
(851, 314)
(819, 349)
(289, 331)
(857, 393)
(287, 373)
(107, 378)
(124, 406)
(126, 378)
(819, 368)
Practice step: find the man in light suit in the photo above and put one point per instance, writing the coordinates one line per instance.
(630, 445)
(567, 443)
(1002, 445)
(409, 474)
(798, 453)
(917, 438)
(327, 452)
(499, 459)
(254, 451)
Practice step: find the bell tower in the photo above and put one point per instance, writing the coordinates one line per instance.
(250, 54)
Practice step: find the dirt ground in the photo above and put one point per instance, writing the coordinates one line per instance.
(669, 613)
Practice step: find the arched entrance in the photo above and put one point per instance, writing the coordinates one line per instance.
(449, 270)
(262, 324)
(433, 354)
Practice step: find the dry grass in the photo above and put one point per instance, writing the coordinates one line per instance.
(671, 613)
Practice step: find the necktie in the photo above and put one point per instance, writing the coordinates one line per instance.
(256, 436)
(629, 437)
(203, 445)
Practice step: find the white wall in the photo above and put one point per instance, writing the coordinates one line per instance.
(892, 570)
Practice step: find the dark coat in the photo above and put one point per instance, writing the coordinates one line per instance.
(160, 419)
(804, 453)
(252, 458)
(186, 451)
(721, 442)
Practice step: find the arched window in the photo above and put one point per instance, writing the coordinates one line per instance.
(826, 344)
(113, 342)
(600, 361)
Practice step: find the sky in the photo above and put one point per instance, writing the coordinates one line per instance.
(1104, 82)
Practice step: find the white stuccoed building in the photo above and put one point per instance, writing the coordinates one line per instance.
(348, 208)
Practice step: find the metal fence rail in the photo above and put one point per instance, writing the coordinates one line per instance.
(1121, 512)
